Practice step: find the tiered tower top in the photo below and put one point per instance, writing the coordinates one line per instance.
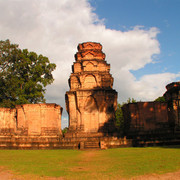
(90, 70)
(89, 51)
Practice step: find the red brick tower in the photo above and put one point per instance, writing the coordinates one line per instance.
(91, 102)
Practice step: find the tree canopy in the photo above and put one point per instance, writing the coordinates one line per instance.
(160, 99)
(23, 75)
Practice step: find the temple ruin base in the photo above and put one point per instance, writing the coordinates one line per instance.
(93, 142)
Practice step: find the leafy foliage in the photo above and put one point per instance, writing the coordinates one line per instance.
(160, 99)
(119, 117)
(23, 75)
(64, 130)
(131, 100)
(119, 114)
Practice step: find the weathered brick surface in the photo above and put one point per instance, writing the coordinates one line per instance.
(31, 126)
(39, 119)
(145, 116)
(155, 117)
(7, 120)
(172, 96)
(31, 119)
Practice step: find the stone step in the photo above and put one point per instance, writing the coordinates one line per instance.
(91, 144)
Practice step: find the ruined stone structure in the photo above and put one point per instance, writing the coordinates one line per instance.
(39, 119)
(155, 116)
(143, 117)
(91, 101)
(7, 121)
(30, 126)
(151, 123)
(31, 119)
(172, 96)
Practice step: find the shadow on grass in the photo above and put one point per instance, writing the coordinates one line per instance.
(163, 146)
(170, 146)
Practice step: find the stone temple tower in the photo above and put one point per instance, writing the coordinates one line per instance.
(91, 102)
(172, 97)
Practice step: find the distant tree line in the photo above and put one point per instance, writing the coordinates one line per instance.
(160, 99)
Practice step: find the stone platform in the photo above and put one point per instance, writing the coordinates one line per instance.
(91, 142)
(56, 142)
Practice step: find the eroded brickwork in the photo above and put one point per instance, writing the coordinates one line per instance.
(172, 96)
(31, 119)
(91, 101)
(144, 117)
(153, 117)
(39, 119)
(7, 121)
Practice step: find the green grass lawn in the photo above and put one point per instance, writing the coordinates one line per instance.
(102, 164)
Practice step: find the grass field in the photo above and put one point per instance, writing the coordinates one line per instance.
(102, 164)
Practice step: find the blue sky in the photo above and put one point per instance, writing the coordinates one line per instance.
(141, 40)
(163, 14)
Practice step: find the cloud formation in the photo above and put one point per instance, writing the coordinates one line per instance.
(54, 28)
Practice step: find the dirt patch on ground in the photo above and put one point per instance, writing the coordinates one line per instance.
(85, 158)
(167, 176)
(6, 174)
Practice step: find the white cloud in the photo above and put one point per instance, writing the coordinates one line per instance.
(153, 85)
(54, 28)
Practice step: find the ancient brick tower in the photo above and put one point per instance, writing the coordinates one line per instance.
(91, 101)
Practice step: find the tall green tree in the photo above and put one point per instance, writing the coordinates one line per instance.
(23, 75)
